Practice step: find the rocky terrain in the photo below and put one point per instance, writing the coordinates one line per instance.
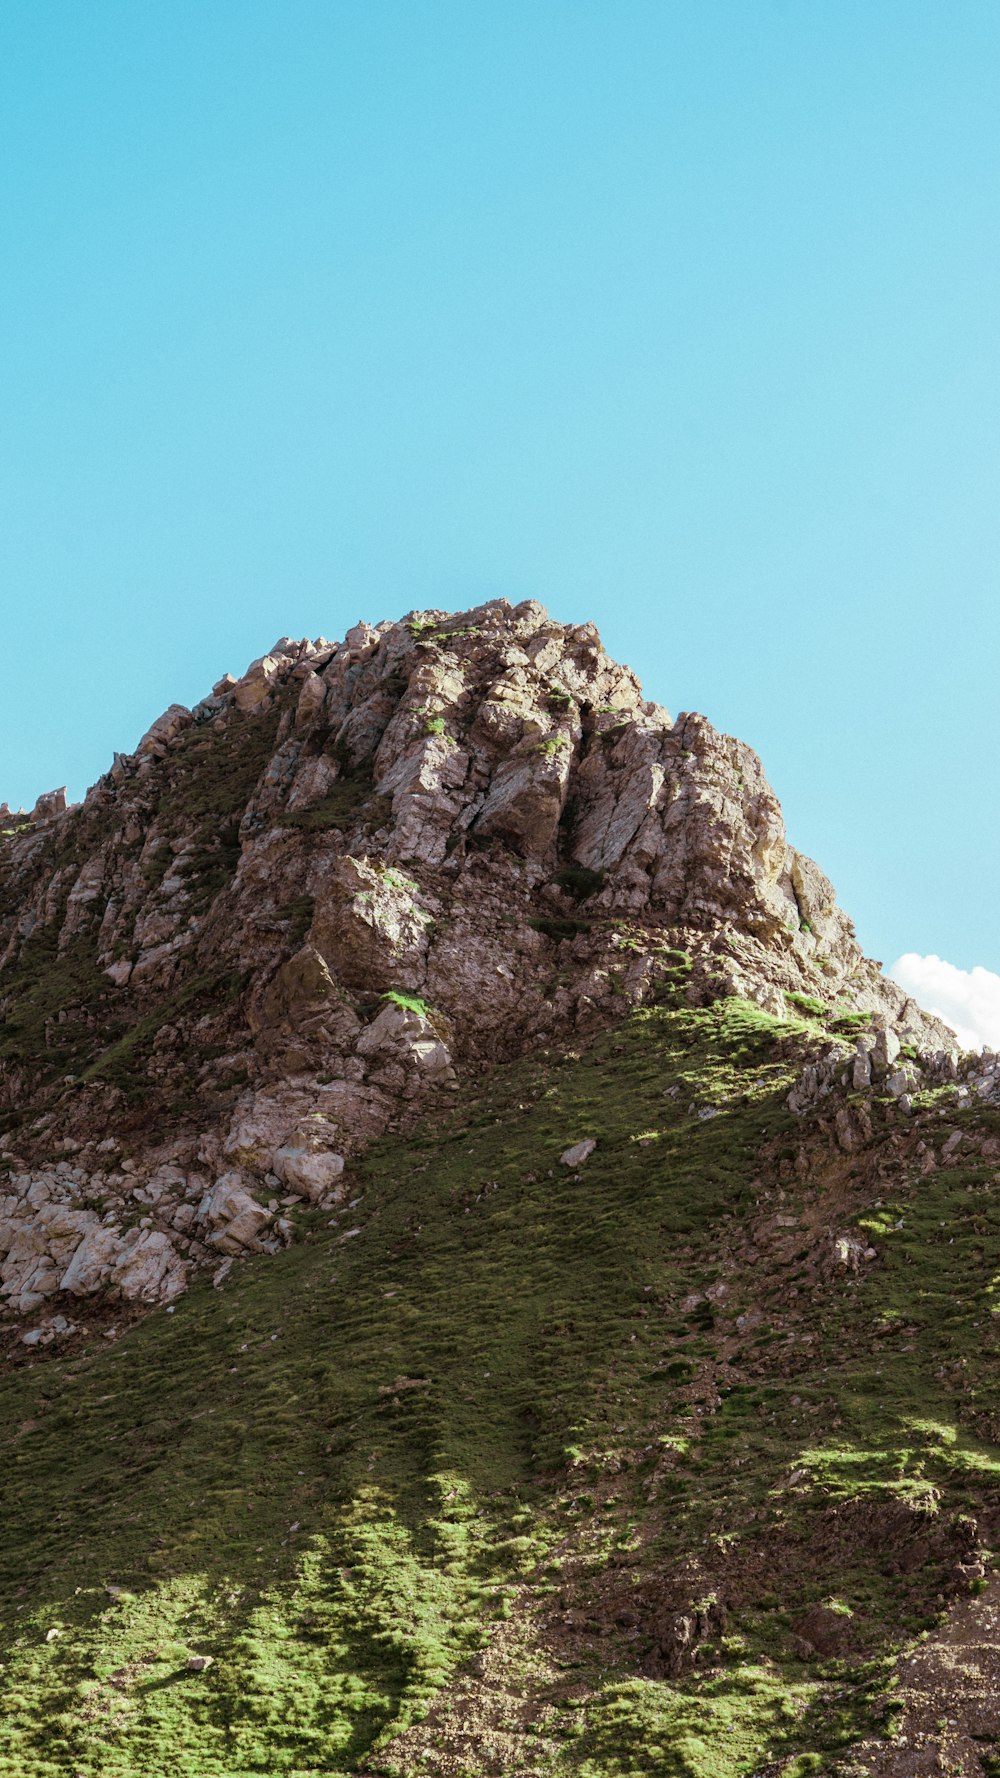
(299, 913)
(578, 1255)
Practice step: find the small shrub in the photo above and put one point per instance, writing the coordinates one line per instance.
(298, 915)
(557, 700)
(579, 882)
(410, 1002)
(155, 868)
(848, 1024)
(807, 1003)
(345, 804)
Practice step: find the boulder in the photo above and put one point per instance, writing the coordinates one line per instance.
(90, 1268)
(254, 688)
(232, 1214)
(885, 1050)
(580, 1152)
(314, 1172)
(164, 730)
(49, 805)
(402, 1034)
(150, 1270)
(861, 1071)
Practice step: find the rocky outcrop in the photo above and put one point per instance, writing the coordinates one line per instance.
(299, 912)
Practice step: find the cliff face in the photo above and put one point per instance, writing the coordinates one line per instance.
(303, 912)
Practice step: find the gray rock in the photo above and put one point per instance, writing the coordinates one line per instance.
(861, 1071)
(312, 1172)
(580, 1152)
(885, 1050)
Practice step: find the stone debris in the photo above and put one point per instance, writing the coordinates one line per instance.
(55, 1327)
(873, 1068)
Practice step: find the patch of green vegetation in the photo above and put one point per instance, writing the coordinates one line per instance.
(409, 1002)
(846, 1023)
(334, 1474)
(558, 700)
(211, 865)
(434, 725)
(122, 1063)
(396, 879)
(350, 802)
(679, 962)
(441, 631)
(807, 1003)
(48, 1000)
(298, 915)
(213, 770)
(559, 929)
(714, 1729)
(335, 1513)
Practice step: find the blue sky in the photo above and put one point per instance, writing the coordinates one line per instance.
(681, 318)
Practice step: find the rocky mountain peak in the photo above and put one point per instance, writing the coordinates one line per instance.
(299, 913)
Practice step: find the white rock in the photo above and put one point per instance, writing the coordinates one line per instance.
(409, 1037)
(580, 1152)
(253, 689)
(861, 1072)
(150, 1271)
(233, 1214)
(90, 1267)
(313, 1173)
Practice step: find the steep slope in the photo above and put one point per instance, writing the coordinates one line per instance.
(657, 1463)
(301, 913)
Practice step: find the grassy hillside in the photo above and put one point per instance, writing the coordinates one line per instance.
(507, 1469)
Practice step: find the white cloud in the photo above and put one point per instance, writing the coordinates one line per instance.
(966, 999)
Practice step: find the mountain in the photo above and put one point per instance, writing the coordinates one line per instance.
(495, 1280)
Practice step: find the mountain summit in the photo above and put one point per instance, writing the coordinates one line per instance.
(496, 1284)
(336, 888)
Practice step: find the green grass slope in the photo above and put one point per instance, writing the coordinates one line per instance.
(696, 1494)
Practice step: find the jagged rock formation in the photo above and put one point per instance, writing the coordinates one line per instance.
(304, 910)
